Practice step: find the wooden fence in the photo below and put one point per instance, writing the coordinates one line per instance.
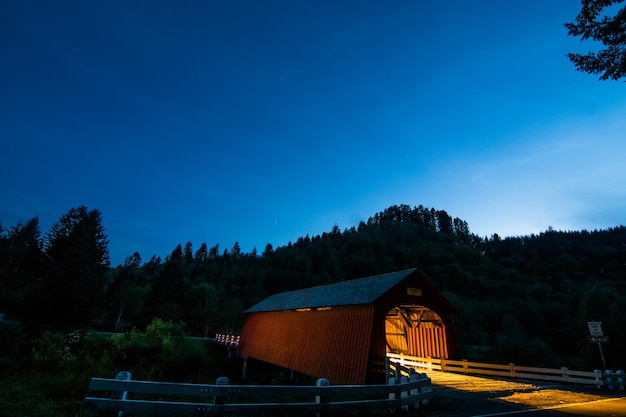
(607, 379)
(124, 395)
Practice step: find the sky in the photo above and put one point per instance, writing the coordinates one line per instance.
(263, 121)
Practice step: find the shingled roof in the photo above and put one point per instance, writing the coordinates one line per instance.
(352, 292)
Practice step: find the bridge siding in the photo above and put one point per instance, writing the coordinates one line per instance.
(332, 344)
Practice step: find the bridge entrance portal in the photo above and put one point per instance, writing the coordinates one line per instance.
(416, 331)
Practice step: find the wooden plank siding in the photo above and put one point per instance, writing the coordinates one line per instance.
(331, 343)
(418, 341)
(427, 342)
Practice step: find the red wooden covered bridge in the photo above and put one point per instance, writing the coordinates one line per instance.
(342, 331)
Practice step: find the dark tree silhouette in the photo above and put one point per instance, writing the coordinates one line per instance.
(21, 267)
(594, 23)
(78, 259)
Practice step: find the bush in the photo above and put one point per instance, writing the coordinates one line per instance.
(163, 353)
(52, 352)
(55, 368)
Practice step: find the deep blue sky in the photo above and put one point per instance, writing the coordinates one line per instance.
(263, 121)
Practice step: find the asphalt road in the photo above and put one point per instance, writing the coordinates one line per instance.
(469, 396)
(612, 407)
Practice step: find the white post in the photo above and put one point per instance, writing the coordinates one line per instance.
(417, 391)
(393, 394)
(220, 399)
(404, 393)
(598, 377)
(321, 399)
(122, 376)
(322, 382)
(620, 380)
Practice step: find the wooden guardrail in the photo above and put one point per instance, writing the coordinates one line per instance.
(124, 395)
(608, 379)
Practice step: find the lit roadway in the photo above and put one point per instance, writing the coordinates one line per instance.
(456, 395)
(610, 407)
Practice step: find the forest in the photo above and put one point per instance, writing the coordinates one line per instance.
(524, 299)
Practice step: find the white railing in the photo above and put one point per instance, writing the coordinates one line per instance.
(123, 395)
(608, 379)
(227, 339)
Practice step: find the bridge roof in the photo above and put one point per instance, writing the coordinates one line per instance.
(351, 292)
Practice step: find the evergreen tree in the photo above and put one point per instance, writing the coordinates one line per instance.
(21, 267)
(235, 252)
(202, 254)
(78, 259)
(188, 253)
(124, 295)
(268, 250)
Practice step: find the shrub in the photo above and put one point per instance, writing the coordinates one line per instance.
(163, 353)
(52, 352)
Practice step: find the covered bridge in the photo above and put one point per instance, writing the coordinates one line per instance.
(342, 331)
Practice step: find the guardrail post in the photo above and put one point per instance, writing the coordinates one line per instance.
(419, 390)
(415, 391)
(609, 379)
(397, 370)
(565, 373)
(220, 399)
(598, 377)
(404, 393)
(122, 376)
(321, 399)
(393, 394)
(620, 380)
(465, 366)
(512, 369)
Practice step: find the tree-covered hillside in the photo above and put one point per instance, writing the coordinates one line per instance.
(521, 299)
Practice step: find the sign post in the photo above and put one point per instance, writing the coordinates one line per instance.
(596, 336)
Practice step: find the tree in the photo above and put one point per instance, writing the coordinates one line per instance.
(593, 23)
(78, 259)
(199, 307)
(188, 253)
(168, 287)
(21, 266)
(269, 249)
(125, 297)
(176, 255)
(202, 254)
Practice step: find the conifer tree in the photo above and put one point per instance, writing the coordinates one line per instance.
(78, 259)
